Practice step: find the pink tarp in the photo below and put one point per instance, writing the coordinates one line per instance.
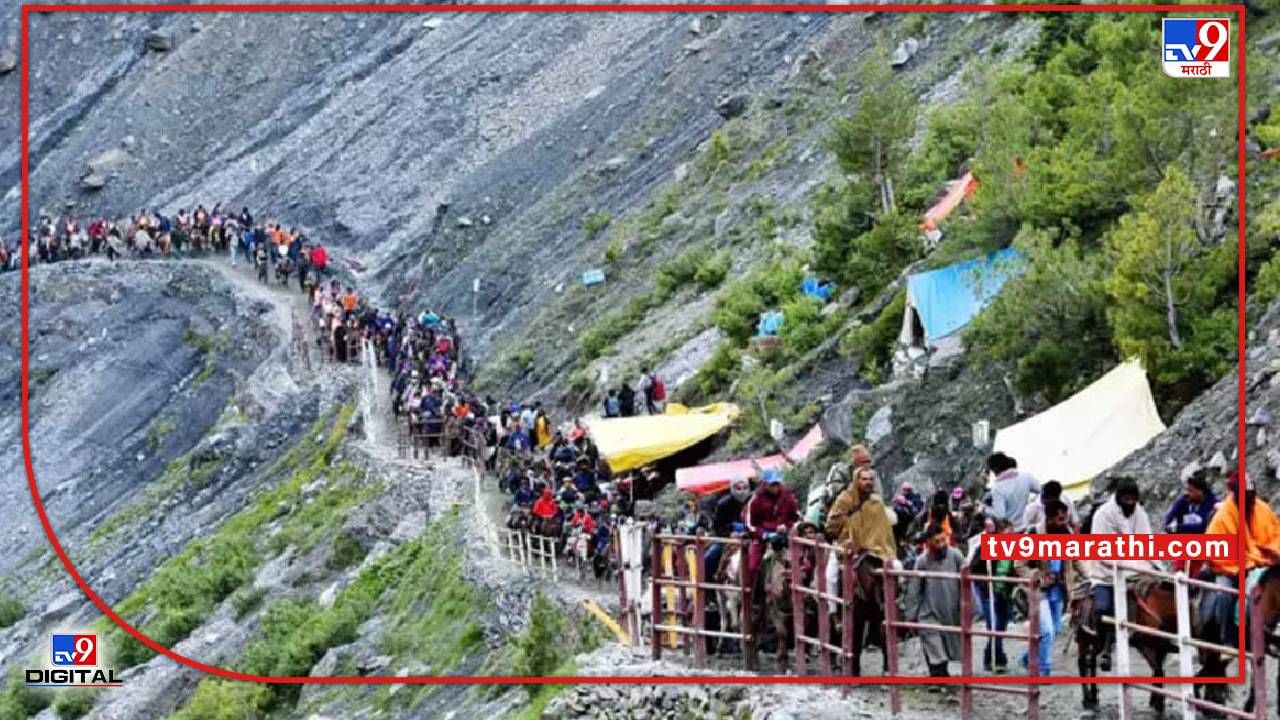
(706, 479)
(960, 189)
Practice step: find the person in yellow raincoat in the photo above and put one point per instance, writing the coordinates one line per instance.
(1261, 547)
(542, 430)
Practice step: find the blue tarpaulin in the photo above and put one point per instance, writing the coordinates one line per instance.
(592, 277)
(820, 290)
(946, 299)
(769, 325)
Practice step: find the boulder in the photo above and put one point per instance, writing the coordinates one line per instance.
(432, 23)
(905, 51)
(8, 61)
(880, 425)
(158, 41)
(731, 106)
(614, 164)
(93, 181)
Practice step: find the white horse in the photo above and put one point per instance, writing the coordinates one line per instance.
(578, 549)
(729, 601)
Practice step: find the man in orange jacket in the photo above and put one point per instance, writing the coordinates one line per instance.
(1261, 547)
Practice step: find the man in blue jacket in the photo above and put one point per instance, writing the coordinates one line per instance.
(1193, 509)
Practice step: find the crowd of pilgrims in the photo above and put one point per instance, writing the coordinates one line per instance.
(152, 234)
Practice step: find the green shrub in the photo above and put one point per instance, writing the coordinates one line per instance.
(11, 610)
(719, 371)
(697, 266)
(598, 339)
(225, 700)
(613, 253)
(874, 342)
(540, 650)
(74, 704)
(347, 551)
(803, 327)
(246, 600)
(738, 308)
(595, 223)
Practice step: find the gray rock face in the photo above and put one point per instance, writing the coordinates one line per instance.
(731, 106)
(8, 61)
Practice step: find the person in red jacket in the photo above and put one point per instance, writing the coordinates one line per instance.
(546, 507)
(773, 509)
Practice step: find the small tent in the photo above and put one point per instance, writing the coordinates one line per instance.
(1084, 435)
(632, 442)
(942, 301)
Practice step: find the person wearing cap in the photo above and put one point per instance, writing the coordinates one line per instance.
(1261, 532)
(822, 495)
(771, 510)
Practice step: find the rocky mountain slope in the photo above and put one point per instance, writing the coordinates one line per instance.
(240, 506)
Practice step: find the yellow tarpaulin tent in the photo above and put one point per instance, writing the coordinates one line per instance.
(1084, 435)
(629, 443)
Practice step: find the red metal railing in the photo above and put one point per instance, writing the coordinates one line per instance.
(823, 598)
(687, 614)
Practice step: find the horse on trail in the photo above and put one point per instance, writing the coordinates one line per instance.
(1152, 603)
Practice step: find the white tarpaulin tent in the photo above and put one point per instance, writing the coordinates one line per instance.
(1084, 435)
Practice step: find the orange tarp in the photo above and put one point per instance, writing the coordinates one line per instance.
(960, 190)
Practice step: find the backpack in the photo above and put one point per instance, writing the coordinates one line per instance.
(659, 389)
(612, 407)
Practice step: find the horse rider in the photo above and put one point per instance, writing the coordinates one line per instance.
(859, 522)
(1261, 547)
(771, 510)
(1123, 514)
(727, 512)
(1191, 512)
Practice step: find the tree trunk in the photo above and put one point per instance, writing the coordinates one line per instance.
(877, 159)
(1171, 311)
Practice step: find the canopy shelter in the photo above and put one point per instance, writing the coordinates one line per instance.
(632, 442)
(707, 479)
(1089, 432)
(942, 301)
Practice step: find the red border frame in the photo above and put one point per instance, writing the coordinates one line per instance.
(1217, 10)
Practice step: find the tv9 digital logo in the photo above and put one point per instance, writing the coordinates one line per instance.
(75, 650)
(1196, 47)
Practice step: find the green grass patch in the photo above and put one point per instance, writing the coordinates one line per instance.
(74, 704)
(595, 223)
(182, 593)
(11, 610)
(157, 432)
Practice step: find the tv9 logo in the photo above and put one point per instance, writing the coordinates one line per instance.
(1196, 47)
(75, 650)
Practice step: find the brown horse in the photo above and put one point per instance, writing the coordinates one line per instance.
(868, 608)
(1152, 603)
(777, 590)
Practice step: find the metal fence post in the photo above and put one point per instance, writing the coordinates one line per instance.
(966, 642)
(797, 602)
(656, 610)
(891, 635)
(846, 612)
(744, 585)
(700, 604)
(680, 566)
(1121, 612)
(1033, 649)
(824, 620)
(1186, 666)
